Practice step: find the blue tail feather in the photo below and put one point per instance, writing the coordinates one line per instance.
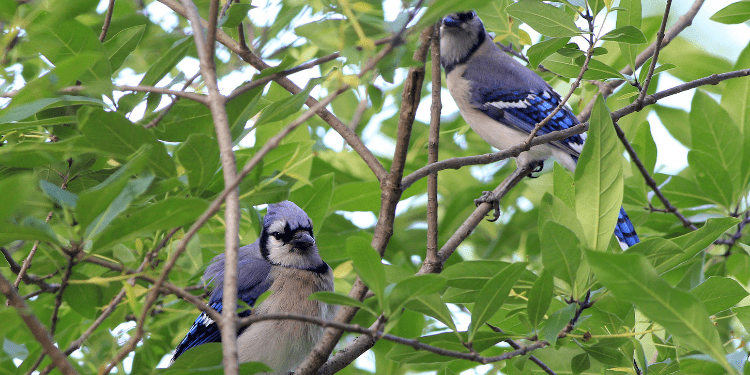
(624, 230)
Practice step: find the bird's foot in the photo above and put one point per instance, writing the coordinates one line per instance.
(538, 167)
(489, 197)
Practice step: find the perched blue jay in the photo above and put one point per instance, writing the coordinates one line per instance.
(284, 260)
(503, 100)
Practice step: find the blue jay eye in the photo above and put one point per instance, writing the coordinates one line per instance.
(472, 14)
(276, 235)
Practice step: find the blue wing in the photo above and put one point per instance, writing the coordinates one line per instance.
(252, 281)
(524, 109)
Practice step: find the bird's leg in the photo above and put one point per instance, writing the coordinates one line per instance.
(494, 199)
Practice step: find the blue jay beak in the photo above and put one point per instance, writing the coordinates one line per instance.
(451, 21)
(302, 241)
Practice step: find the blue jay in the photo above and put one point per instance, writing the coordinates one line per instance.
(284, 260)
(503, 100)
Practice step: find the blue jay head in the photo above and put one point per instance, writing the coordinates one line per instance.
(287, 237)
(460, 35)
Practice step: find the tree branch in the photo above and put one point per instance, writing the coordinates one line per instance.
(683, 22)
(36, 327)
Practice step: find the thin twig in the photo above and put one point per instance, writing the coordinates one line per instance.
(657, 48)
(159, 90)
(649, 180)
(248, 56)
(683, 22)
(432, 157)
(163, 113)
(107, 20)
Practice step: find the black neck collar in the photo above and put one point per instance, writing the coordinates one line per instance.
(320, 269)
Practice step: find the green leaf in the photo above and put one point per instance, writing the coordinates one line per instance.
(132, 190)
(24, 111)
(69, 38)
(738, 12)
(540, 51)
(557, 322)
(714, 132)
(400, 293)
(120, 46)
(677, 123)
(598, 176)
(657, 250)
(698, 240)
(605, 354)
(94, 201)
(35, 154)
(645, 147)
(719, 293)
(332, 298)
(629, 14)
(564, 185)
(630, 278)
(561, 252)
(166, 62)
(14, 192)
(61, 120)
(570, 67)
(184, 119)
(206, 360)
(84, 298)
(626, 34)
(285, 107)
(199, 155)
(315, 199)
(735, 99)
(235, 15)
(432, 305)
(473, 274)
(368, 265)
(715, 181)
(743, 315)
(493, 295)
(30, 229)
(580, 363)
(60, 196)
(115, 135)
(162, 215)
(357, 196)
(438, 10)
(544, 18)
(540, 297)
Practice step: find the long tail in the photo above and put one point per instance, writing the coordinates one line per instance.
(624, 230)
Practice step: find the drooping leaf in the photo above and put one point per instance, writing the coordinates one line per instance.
(120, 46)
(599, 179)
(540, 296)
(632, 279)
(561, 252)
(367, 264)
(199, 155)
(492, 296)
